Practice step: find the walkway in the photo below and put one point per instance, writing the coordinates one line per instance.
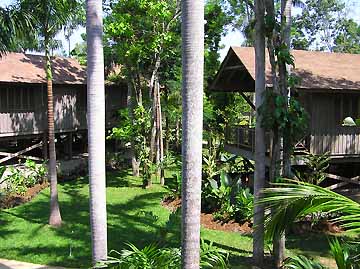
(9, 264)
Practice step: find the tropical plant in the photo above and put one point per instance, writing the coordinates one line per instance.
(244, 205)
(96, 129)
(35, 173)
(136, 131)
(345, 255)
(212, 257)
(149, 257)
(192, 118)
(173, 186)
(301, 262)
(153, 257)
(293, 200)
(209, 167)
(227, 199)
(20, 178)
(315, 172)
(16, 181)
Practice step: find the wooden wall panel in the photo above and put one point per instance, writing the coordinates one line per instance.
(69, 110)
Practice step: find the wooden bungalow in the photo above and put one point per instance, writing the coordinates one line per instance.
(329, 90)
(23, 98)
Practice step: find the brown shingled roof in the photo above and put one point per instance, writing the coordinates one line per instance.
(26, 68)
(316, 70)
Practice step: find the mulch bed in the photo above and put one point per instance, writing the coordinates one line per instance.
(208, 222)
(16, 199)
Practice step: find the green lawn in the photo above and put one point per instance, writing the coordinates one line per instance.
(134, 215)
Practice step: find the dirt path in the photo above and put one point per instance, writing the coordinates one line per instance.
(9, 264)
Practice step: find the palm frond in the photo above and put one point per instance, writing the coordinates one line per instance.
(301, 262)
(292, 200)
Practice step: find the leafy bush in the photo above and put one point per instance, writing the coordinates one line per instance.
(234, 164)
(150, 257)
(316, 168)
(173, 186)
(244, 205)
(153, 257)
(227, 199)
(217, 196)
(301, 262)
(212, 257)
(20, 179)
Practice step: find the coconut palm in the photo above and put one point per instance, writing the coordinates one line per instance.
(96, 129)
(192, 107)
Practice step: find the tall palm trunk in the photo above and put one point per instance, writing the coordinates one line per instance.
(259, 182)
(55, 216)
(96, 127)
(192, 104)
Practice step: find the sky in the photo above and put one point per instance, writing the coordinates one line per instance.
(233, 38)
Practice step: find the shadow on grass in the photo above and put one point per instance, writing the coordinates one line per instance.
(309, 243)
(132, 217)
(125, 222)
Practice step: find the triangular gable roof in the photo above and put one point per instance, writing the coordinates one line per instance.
(27, 68)
(316, 70)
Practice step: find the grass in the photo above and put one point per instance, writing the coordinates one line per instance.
(134, 215)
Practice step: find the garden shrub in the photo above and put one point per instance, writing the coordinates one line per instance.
(154, 257)
(244, 205)
(21, 178)
(173, 187)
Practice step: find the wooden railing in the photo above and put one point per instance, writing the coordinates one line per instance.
(340, 141)
(243, 137)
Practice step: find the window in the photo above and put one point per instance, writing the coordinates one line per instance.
(347, 105)
(16, 99)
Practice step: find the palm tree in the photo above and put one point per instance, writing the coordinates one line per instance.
(192, 120)
(52, 16)
(96, 129)
(259, 183)
(15, 24)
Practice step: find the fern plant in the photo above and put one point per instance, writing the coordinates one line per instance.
(153, 257)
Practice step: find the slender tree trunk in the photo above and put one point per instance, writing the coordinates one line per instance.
(55, 216)
(277, 139)
(134, 162)
(177, 135)
(96, 129)
(160, 132)
(259, 181)
(286, 5)
(192, 104)
(167, 128)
